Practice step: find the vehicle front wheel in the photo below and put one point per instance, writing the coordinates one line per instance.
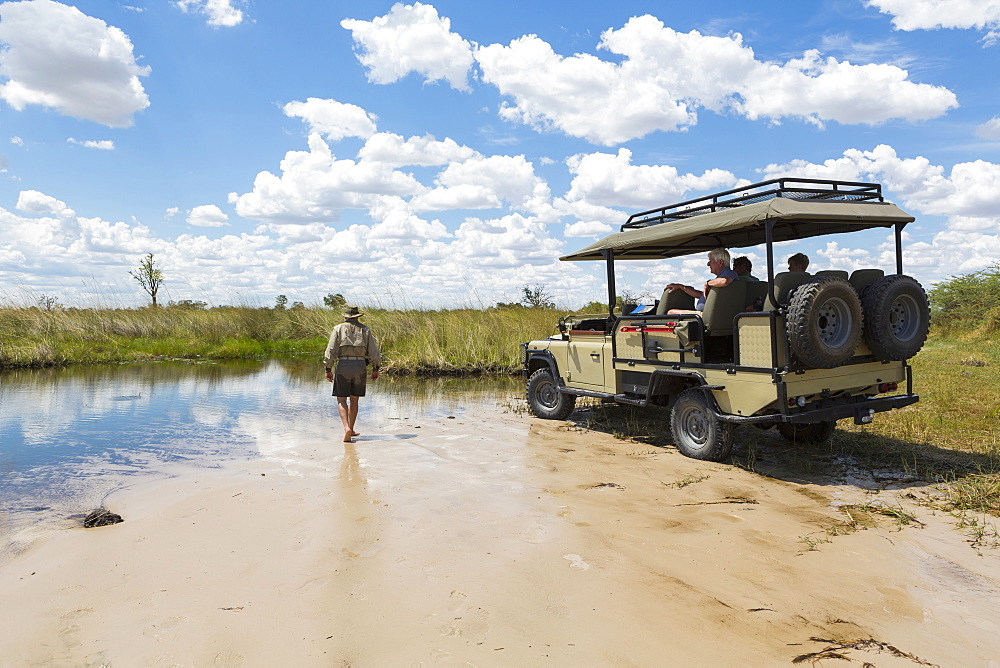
(698, 433)
(806, 434)
(544, 398)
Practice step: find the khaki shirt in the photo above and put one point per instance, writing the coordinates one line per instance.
(351, 339)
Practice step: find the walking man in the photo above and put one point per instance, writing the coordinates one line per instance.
(351, 347)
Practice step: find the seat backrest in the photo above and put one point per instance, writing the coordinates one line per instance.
(836, 273)
(756, 290)
(676, 299)
(784, 283)
(721, 307)
(862, 278)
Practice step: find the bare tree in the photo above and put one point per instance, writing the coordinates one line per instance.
(536, 296)
(149, 276)
(48, 303)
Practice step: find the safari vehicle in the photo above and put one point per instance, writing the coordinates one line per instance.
(820, 348)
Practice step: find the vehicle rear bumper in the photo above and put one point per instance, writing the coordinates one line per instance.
(862, 411)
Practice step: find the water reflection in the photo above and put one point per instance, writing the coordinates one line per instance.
(69, 436)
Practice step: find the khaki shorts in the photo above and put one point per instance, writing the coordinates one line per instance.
(350, 378)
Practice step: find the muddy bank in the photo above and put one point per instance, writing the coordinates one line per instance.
(497, 539)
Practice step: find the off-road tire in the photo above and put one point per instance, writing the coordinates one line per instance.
(544, 398)
(697, 432)
(824, 323)
(897, 317)
(806, 434)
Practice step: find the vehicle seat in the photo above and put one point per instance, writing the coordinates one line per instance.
(784, 283)
(722, 306)
(862, 278)
(756, 290)
(676, 299)
(835, 273)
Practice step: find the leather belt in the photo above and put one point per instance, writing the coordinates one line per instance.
(351, 357)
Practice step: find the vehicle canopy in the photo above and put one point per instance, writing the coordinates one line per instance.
(767, 212)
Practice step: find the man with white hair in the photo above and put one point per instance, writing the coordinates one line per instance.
(718, 264)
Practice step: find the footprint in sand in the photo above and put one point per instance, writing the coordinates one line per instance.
(576, 562)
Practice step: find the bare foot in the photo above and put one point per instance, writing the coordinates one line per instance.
(355, 433)
(347, 436)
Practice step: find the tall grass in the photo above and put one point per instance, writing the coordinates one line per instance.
(412, 341)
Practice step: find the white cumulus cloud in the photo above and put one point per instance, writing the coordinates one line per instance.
(666, 76)
(411, 38)
(219, 13)
(315, 185)
(391, 149)
(334, 120)
(932, 14)
(207, 215)
(56, 56)
(612, 180)
(587, 229)
(37, 203)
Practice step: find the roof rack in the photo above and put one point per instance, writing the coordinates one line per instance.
(802, 189)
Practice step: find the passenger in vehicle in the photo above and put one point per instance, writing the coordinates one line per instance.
(718, 264)
(743, 266)
(798, 262)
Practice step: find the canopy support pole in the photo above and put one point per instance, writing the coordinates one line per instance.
(899, 247)
(609, 258)
(769, 241)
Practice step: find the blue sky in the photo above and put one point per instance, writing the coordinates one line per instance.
(447, 154)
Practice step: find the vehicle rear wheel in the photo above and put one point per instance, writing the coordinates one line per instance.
(806, 434)
(897, 317)
(698, 433)
(544, 398)
(824, 323)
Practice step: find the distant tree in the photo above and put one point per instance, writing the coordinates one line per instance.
(594, 307)
(280, 302)
(49, 303)
(507, 305)
(188, 304)
(334, 300)
(536, 296)
(149, 276)
(967, 298)
(298, 306)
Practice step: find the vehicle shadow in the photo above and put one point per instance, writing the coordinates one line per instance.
(860, 458)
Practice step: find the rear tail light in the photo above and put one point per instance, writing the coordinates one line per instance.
(887, 387)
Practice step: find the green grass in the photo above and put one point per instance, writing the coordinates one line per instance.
(412, 341)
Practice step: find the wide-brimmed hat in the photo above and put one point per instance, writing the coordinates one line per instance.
(352, 312)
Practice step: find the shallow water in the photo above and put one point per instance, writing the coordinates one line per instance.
(71, 436)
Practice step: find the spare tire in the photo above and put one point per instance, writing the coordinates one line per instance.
(824, 322)
(897, 317)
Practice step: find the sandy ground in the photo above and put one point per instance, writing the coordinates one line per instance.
(498, 540)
